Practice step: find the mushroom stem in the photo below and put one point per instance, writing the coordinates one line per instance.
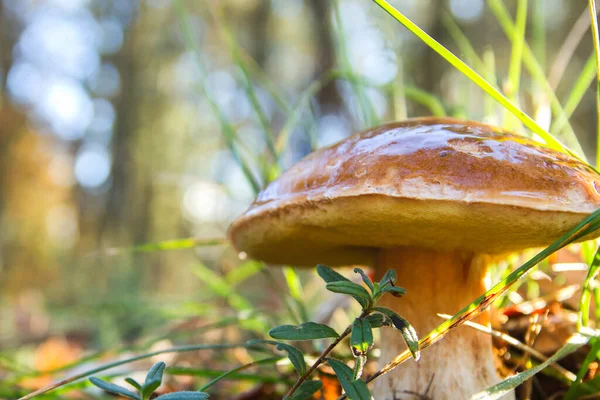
(462, 363)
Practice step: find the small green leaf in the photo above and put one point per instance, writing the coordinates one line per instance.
(341, 369)
(378, 320)
(355, 389)
(395, 291)
(184, 396)
(156, 372)
(306, 390)
(408, 332)
(388, 279)
(153, 379)
(295, 355)
(133, 383)
(329, 275)
(305, 331)
(361, 339)
(355, 290)
(365, 279)
(115, 389)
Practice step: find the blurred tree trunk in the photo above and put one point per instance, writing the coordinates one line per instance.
(328, 97)
(148, 144)
(433, 62)
(120, 209)
(259, 31)
(6, 122)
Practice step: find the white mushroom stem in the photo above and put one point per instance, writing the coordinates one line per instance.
(459, 365)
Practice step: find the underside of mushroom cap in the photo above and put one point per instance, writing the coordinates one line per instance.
(435, 183)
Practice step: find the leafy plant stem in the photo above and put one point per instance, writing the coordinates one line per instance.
(321, 358)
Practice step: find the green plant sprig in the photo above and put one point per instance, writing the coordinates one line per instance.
(360, 332)
(145, 390)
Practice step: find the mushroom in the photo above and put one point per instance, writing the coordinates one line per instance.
(431, 198)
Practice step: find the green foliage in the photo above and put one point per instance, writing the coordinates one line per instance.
(115, 389)
(355, 389)
(361, 339)
(358, 292)
(153, 380)
(408, 332)
(360, 331)
(296, 357)
(306, 390)
(305, 331)
(329, 275)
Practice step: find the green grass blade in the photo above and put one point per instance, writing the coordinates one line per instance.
(590, 357)
(537, 73)
(369, 116)
(489, 106)
(244, 271)
(166, 245)
(473, 76)
(297, 110)
(399, 95)
(576, 341)
(226, 127)
(463, 43)
(516, 56)
(296, 291)
(539, 32)
(212, 373)
(584, 80)
(586, 292)
(236, 53)
(433, 103)
(108, 366)
(594, 23)
(270, 360)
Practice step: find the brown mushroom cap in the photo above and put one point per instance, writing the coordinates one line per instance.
(436, 183)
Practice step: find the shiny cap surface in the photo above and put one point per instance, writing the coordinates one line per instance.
(437, 183)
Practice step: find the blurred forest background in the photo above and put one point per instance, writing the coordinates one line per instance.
(116, 124)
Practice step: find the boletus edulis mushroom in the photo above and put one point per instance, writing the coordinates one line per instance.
(430, 198)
